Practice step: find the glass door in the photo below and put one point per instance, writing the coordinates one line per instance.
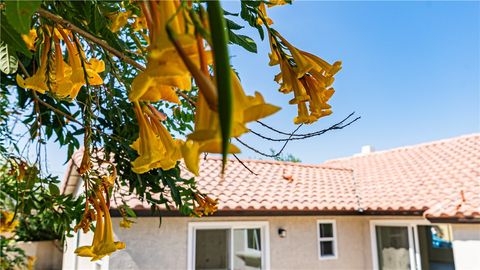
(394, 247)
(212, 249)
(228, 246)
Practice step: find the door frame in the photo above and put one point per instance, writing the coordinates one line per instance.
(413, 242)
(264, 236)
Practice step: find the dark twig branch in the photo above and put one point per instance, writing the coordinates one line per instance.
(293, 136)
(307, 134)
(244, 165)
(270, 155)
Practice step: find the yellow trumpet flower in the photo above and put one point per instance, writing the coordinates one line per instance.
(88, 251)
(158, 83)
(119, 20)
(155, 145)
(165, 71)
(78, 73)
(302, 64)
(272, 3)
(139, 24)
(206, 205)
(7, 224)
(107, 245)
(247, 108)
(126, 223)
(103, 243)
(30, 39)
(319, 96)
(206, 136)
(307, 75)
(62, 86)
(37, 82)
(263, 13)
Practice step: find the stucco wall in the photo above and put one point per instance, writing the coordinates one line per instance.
(151, 247)
(466, 246)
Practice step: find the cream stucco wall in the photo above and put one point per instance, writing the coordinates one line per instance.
(466, 246)
(152, 247)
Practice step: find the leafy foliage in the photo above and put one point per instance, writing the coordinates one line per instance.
(11, 256)
(8, 60)
(43, 212)
(109, 36)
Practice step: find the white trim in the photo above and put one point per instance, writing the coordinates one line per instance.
(334, 239)
(264, 236)
(413, 243)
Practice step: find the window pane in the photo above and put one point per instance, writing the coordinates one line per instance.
(211, 249)
(326, 248)
(253, 238)
(247, 252)
(392, 247)
(326, 230)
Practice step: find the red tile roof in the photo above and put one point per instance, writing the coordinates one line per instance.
(277, 186)
(440, 179)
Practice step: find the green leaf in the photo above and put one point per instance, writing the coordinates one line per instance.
(233, 25)
(246, 42)
(19, 14)
(54, 190)
(129, 211)
(229, 13)
(222, 73)
(8, 60)
(12, 38)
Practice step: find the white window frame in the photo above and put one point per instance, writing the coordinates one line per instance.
(334, 239)
(231, 225)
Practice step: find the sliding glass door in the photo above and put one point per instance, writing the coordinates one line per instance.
(393, 247)
(228, 246)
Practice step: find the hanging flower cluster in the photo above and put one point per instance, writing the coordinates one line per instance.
(103, 243)
(308, 76)
(54, 74)
(182, 54)
(171, 66)
(98, 186)
(204, 205)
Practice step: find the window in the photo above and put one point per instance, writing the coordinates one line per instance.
(253, 239)
(327, 239)
(228, 245)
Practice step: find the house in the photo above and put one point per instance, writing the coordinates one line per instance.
(414, 207)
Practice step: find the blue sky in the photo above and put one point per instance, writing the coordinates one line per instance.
(410, 70)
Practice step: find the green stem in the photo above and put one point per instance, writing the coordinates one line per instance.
(222, 73)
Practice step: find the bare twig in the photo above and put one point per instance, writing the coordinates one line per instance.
(244, 165)
(312, 133)
(291, 136)
(294, 137)
(268, 155)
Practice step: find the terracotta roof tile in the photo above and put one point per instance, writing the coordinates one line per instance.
(441, 178)
(307, 187)
(429, 176)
